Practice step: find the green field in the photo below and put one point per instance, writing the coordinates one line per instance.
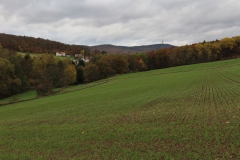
(39, 54)
(188, 112)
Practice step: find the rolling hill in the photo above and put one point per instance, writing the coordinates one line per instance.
(112, 49)
(187, 112)
(40, 45)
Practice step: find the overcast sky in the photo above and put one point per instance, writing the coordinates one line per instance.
(121, 22)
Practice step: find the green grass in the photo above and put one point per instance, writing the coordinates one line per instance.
(38, 54)
(30, 95)
(188, 112)
(31, 54)
(20, 97)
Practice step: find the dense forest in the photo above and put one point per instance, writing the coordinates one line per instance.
(45, 72)
(38, 45)
(20, 73)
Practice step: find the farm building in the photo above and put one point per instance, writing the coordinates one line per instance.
(61, 54)
(82, 57)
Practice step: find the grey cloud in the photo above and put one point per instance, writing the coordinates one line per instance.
(125, 22)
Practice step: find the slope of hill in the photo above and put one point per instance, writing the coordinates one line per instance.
(187, 112)
(126, 50)
(40, 45)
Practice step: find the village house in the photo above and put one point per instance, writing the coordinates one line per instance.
(75, 62)
(82, 57)
(61, 54)
(85, 58)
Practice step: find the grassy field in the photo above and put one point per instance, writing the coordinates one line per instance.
(188, 112)
(38, 54)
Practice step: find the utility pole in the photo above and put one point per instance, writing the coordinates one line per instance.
(162, 41)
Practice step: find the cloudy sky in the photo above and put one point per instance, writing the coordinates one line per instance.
(121, 22)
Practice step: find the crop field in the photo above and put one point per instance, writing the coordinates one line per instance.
(188, 112)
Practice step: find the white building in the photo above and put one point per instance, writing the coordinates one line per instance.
(61, 54)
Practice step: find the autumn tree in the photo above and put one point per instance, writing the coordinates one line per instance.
(105, 69)
(141, 65)
(237, 46)
(162, 58)
(104, 52)
(27, 65)
(69, 75)
(39, 65)
(136, 63)
(91, 72)
(50, 73)
(227, 45)
(9, 83)
(15, 59)
(80, 74)
(152, 60)
(19, 73)
(132, 61)
(119, 64)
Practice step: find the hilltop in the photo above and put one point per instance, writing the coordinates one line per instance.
(113, 49)
(40, 45)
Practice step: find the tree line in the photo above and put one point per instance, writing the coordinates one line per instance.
(43, 73)
(103, 66)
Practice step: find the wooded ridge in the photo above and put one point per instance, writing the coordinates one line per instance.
(40, 45)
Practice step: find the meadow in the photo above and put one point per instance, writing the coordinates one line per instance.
(188, 112)
(38, 54)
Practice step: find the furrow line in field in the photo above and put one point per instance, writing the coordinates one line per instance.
(210, 104)
(190, 99)
(205, 104)
(208, 114)
(229, 108)
(229, 112)
(218, 107)
(228, 95)
(221, 100)
(187, 100)
(215, 102)
(176, 111)
(232, 73)
(227, 78)
(231, 91)
(230, 100)
(200, 102)
(200, 110)
(153, 99)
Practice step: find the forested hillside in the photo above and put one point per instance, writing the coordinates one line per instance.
(38, 45)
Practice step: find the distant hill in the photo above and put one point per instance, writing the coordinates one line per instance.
(40, 45)
(127, 50)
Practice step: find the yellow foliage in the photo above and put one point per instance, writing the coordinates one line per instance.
(70, 74)
(228, 43)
